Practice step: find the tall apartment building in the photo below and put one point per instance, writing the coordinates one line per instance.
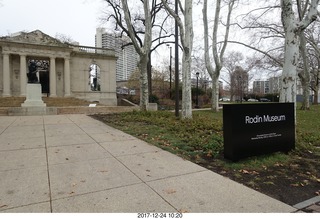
(274, 83)
(127, 56)
(261, 87)
(272, 86)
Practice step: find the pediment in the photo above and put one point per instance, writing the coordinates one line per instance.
(34, 37)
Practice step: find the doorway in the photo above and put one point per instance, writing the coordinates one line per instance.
(44, 81)
(41, 69)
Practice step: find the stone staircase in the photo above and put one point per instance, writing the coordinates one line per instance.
(57, 106)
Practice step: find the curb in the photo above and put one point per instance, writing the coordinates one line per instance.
(307, 203)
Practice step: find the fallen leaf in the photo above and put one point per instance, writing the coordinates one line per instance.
(170, 191)
(278, 165)
(294, 165)
(103, 171)
(244, 171)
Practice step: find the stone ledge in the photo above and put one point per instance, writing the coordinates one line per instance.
(29, 111)
(95, 110)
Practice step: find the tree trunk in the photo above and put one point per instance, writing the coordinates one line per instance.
(289, 73)
(215, 92)
(144, 94)
(142, 50)
(305, 75)
(186, 111)
(293, 28)
(315, 98)
(218, 58)
(306, 94)
(149, 75)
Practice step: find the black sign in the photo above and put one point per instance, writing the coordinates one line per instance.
(255, 129)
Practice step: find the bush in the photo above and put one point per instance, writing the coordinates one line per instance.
(153, 99)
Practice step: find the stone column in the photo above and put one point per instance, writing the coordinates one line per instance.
(23, 75)
(6, 76)
(67, 91)
(53, 77)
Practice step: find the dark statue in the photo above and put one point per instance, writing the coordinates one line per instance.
(32, 75)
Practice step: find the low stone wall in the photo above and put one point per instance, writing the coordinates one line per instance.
(4, 111)
(95, 110)
(29, 111)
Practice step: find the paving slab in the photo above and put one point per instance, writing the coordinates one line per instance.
(128, 199)
(95, 128)
(158, 165)
(81, 118)
(2, 128)
(111, 136)
(8, 143)
(44, 207)
(128, 147)
(207, 192)
(56, 119)
(76, 153)
(27, 120)
(23, 187)
(74, 178)
(60, 140)
(19, 159)
(24, 131)
(66, 129)
(7, 120)
(73, 163)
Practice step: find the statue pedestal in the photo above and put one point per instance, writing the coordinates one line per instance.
(34, 96)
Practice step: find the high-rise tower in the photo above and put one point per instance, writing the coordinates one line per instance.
(127, 56)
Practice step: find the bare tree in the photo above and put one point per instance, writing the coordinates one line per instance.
(293, 28)
(139, 28)
(64, 38)
(217, 55)
(291, 56)
(186, 38)
(313, 50)
(141, 32)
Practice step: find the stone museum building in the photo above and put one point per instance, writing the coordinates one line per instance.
(62, 69)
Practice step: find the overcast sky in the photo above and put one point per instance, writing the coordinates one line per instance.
(77, 19)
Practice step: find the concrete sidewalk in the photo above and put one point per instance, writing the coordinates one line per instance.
(73, 163)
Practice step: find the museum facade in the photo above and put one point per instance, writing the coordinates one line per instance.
(62, 69)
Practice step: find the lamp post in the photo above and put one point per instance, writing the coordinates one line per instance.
(241, 89)
(197, 97)
(176, 54)
(170, 68)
